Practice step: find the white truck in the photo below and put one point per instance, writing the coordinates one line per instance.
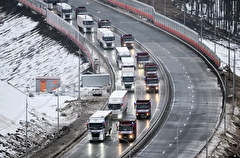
(120, 53)
(99, 125)
(118, 103)
(106, 38)
(85, 23)
(64, 10)
(128, 78)
(128, 62)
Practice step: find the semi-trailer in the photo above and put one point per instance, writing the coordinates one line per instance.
(118, 103)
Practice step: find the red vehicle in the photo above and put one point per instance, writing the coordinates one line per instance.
(127, 128)
(82, 10)
(143, 108)
(104, 23)
(127, 40)
(152, 81)
(150, 68)
(142, 58)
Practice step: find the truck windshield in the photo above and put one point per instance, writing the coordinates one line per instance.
(152, 81)
(109, 38)
(150, 68)
(48, 1)
(95, 126)
(114, 106)
(128, 38)
(105, 23)
(81, 11)
(88, 22)
(125, 128)
(142, 106)
(67, 10)
(128, 79)
(143, 58)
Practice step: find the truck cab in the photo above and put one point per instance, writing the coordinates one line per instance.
(142, 58)
(152, 82)
(64, 10)
(106, 38)
(143, 108)
(118, 103)
(150, 68)
(99, 125)
(81, 10)
(127, 40)
(49, 4)
(127, 128)
(128, 78)
(85, 23)
(104, 23)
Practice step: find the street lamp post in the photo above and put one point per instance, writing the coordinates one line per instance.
(164, 11)
(207, 133)
(26, 121)
(58, 111)
(79, 99)
(234, 79)
(201, 28)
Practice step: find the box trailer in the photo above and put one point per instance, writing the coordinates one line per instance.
(118, 103)
(64, 10)
(106, 38)
(85, 23)
(120, 53)
(95, 80)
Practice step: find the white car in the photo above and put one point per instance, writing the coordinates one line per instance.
(96, 91)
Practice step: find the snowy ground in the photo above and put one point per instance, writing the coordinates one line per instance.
(26, 54)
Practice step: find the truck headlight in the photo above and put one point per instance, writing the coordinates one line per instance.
(101, 136)
(119, 116)
(131, 136)
(120, 136)
(147, 88)
(157, 87)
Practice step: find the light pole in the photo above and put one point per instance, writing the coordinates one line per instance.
(164, 11)
(58, 111)
(79, 99)
(201, 28)
(184, 13)
(26, 121)
(207, 133)
(234, 80)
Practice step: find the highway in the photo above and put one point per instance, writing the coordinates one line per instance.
(196, 104)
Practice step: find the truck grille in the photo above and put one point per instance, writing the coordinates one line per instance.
(109, 44)
(128, 85)
(95, 134)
